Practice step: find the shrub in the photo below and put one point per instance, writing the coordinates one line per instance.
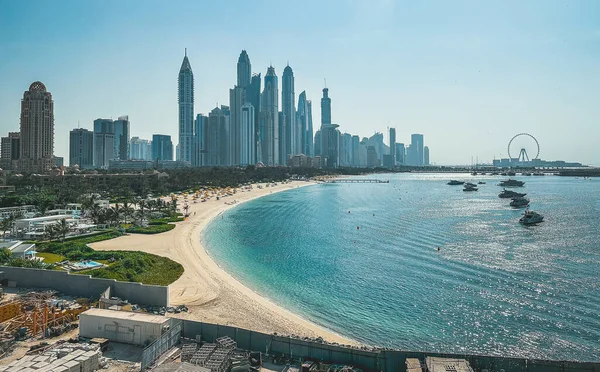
(152, 229)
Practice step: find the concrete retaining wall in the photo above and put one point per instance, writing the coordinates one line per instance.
(86, 286)
(385, 360)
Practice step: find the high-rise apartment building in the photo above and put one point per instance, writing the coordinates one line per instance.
(237, 98)
(254, 98)
(37, 130)
(269, 120)
(302, 123)
(400, 154)
(310, 150)
(185, 90)
(216, 138)
(325, 107)
(122, 133)
(81, 148)
(355, 151)
(393, 146)
(10, 150)
(426, 155)
(247, 136)
(282, 136)
(104, 142)
(244, 70)
(291, 141)
(162, 147)
(416, 150)
(140, 149)
(317, 145)
(200, 140)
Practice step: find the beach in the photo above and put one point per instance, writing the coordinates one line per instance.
(211, 294)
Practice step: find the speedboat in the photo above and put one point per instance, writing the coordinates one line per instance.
(469, 184)
(511, 183)
(531, 218)
(481, 183)
(474, 174)
(470, 188)
(454, 182)
(505, 194)
(511, 173)
(519, 202)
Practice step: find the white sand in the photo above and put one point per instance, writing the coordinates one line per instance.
(211, 294)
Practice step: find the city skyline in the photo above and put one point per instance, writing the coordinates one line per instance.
(452, 89)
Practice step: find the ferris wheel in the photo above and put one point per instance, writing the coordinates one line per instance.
(523, 144)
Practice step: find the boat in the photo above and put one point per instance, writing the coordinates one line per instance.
(511, 174)
(481, 183)
(469, 184)
(469, 188)
(504, 174)
(531, 218)
(474, 174)
(519, 202)
(454, 182)
(511, 183)
(505, 194)
(483, 173)
(526, 174)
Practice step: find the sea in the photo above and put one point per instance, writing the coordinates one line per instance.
(363, 260)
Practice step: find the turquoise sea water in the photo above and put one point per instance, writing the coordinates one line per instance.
(495, 287)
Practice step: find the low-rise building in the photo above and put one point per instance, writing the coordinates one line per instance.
(122, 326)
(19, 249)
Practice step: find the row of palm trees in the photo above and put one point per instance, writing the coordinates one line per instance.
(127, 211)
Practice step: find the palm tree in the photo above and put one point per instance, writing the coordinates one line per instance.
(115, 214)
(62, 229)
(50, 232)
(186, 208)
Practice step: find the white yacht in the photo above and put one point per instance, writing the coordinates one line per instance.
(531, 218)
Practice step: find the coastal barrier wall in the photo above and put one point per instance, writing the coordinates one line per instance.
(380, 360)
(85, 285)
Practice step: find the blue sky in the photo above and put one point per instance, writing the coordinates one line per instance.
(467, 74)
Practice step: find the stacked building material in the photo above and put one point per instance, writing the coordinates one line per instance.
(67, 358)
(188, 351)
(203, 354)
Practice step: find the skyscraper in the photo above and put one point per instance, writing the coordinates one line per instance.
(317, 145)
(247, 136)
(81, 148)
(104, 142)
(325, 107)
(200, 140)
(244, 70)
(270, 119)
(302, 125)
(186, 109)
(140, 149)
(216, 138)
(37, 130)
(122, 138)
(282, 136)
(426, 155)
(253, 96)
(355, 151)
(288, 107)
(393, 146)
(310, 150)
(237, 98)
(400, 154)
(11, 150)
(417, 149)
(162, 147)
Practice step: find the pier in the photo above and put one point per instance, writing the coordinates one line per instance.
(358, 180)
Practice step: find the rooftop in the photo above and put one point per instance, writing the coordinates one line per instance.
(126, 315)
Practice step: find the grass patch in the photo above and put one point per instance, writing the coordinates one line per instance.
(129, 266)
(51, 257)
(151, 229)
(164, 220)
(140, 267)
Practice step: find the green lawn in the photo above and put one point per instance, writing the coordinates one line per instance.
(51, 257)
(129, 266)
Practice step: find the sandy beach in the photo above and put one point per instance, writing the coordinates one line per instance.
(211, 294)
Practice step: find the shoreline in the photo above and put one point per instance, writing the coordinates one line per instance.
(212, 294)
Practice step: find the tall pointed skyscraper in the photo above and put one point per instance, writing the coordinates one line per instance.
(186, 110)
(269, 125)
(325, 107)
(244, 71)
(302, 124)
(288, 107)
